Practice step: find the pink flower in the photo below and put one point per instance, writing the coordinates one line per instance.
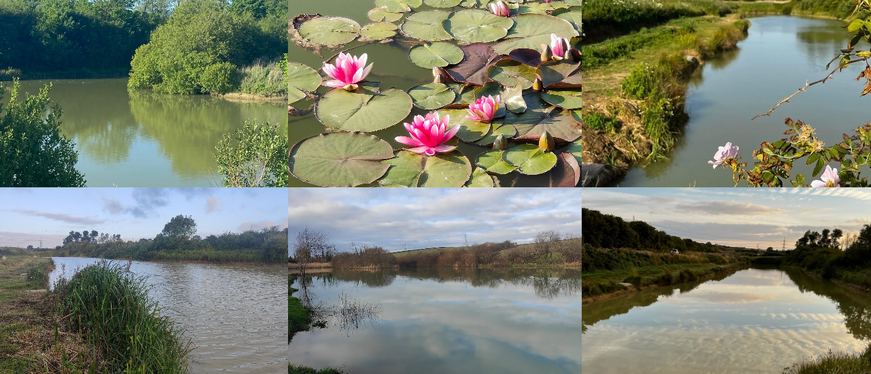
(347, 72)
(500, 8)
(559, 46)
(547, 1)
(726, 152)
(428, 134)
(484, 108)
(829, 178)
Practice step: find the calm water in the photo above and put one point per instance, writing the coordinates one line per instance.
(779, 55)
(450, 322)
(235, 314)
(753, 321)
(142, 139)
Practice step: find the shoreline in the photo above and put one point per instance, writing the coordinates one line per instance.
(632, 289)
(177, 261)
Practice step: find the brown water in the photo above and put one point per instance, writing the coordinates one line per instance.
(235, 314)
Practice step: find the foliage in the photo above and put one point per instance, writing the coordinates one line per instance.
(601, 122)
(253, 156)
(112, 308)
(550, 251)
(833, 362)
(265, 79)
(608, 231)
(35, 153)
(370, 257)
(293, 369)
(180, 226)
(312, 245)
(622, 16)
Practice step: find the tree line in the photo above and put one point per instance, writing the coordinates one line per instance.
(835, 255)
(608, 231)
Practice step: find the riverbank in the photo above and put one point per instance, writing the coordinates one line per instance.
(634, 110)
(603, 285)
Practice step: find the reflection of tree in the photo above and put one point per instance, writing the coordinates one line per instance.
(855, 306)
(369, 278)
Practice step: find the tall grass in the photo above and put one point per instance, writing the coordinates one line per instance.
(604, 17)
(263, 79)
(111, 308)
(834, 362)
(293, 369)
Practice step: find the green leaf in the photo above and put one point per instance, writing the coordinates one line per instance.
(533, 30)
(529, 159)
(378, 31)
(381, 15)
(819, 167)
(465, 93)
(480, 178)
(507, 132)
(414, 170)
(563, 99)
(431, 96)
(492, 162)
(426, 25)
(302, 78)
(856, 24)
(438, 54)
(572, 15)
(398, 5)
(511, 73)
(470, 130)
(512, 98)
(442, 3)
(363, 110)
(814, 157)
(329, 31)
(339, 159)
(473, 26)
(539, 118)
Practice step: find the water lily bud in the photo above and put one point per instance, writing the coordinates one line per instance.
(500, 143)
(536, 84)
(546, 142)
(546, 53)
(437, 75)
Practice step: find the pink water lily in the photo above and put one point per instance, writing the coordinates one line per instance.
(484, 108)
(829, 178)
(428, 134)
(347, 72)
(559, 46)
(724, 153)
(499, 8)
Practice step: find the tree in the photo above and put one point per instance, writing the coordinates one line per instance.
(254, 156)
(34, 153)
(309, 242)
(180, 227)
(837, 234)
(544, 239)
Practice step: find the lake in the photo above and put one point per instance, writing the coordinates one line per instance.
(780, 54)
(448, 321)
(235, 314)
(143, 139)
(752, 321)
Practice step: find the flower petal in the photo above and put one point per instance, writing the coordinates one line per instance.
(408, 141)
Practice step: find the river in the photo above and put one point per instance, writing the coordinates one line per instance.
(752, 321)
(235, 314)
(143, 139)
(780, 54)
(446, 321)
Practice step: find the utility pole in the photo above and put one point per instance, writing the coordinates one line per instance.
(466, 240)
(784, 243)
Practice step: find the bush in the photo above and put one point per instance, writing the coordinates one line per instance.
(601, 122)
(254, 156)
(641, 83)
(265, 79)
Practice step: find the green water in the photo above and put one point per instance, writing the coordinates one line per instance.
(142, 139)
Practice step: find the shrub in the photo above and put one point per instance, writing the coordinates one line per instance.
(601, 122)
(254, 156)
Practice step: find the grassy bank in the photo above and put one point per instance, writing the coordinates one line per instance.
(293, 369)
(834, 362)
(558, 253)
(635, 84)
(301, 318)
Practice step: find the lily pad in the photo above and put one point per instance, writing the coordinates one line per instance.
(414, 170)
(492, 162)
(431, 96)
(507, 131)
(378, 31)
(560, 74)
(512, 97)
(473, 69)
(381, 15)
(398, 5)
(511, 73)
(563, 99)
(533, 30)
(470, 130)
(534, 8)
(426, 25)
(364, 110)
(540, 117)
(480, 178)
(329, 31)
(465, 95)
(474, 26)
(438, 54)
(529, 159)
(566, 173)
(302, 79)
(442, 3)
(573, 15)
(339, 159)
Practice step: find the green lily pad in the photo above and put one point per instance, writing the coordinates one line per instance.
(563, 99)
(507, 131)
(533, 30)
(560, 74)
(573, 15)
(480, 178)
(488, 89)
(329, 31)
(381, 15)
(438, 54)
(302, 79)
(363, 110)
(540, 117)
(474, 3)
(442, 3)
(470, 130)
(344, 159)
(378, 31)
(431, 96)
(512, 97)
(474, 26)
(534, 8)
(413, 170)
(511, 73)
(529, 159)
(465, 93)
(492, 162)
(398, 5)
(575, 149)
(426, 25)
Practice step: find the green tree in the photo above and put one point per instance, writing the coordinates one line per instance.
(254, 156)
(180, 227)
(35, 154)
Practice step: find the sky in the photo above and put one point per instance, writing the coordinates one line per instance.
(745, 217)
(30, 214)
(394, 218)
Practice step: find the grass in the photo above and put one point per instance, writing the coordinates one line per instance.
(299, 316)
(263, 79)
(293, 369)
(834, 363)
(19, 312)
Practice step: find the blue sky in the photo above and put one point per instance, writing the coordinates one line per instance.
(28, 214)
(432, 217)
(737, 216)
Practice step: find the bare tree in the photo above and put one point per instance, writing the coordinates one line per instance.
(310, 243)
(544, 239)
